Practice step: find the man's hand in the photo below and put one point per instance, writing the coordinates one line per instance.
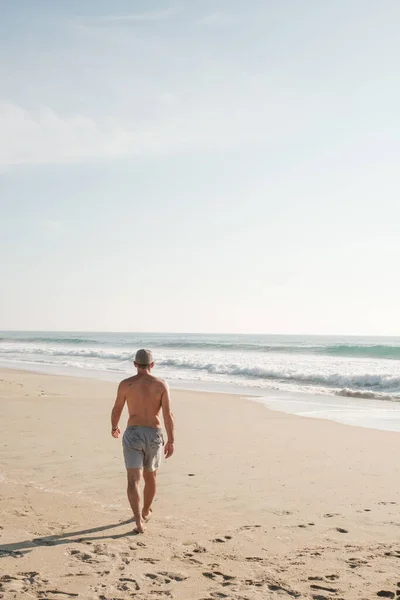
(117, 410)
(169, 449)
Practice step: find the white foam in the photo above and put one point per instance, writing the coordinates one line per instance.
(374, 414)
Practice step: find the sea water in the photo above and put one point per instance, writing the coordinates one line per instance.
(353, 371)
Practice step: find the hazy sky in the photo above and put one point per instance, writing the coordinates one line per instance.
(211, 166)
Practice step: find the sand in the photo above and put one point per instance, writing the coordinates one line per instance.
(254, 504)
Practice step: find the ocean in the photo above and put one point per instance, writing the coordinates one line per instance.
(358, 367)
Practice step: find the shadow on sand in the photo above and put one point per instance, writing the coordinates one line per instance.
(18, 549)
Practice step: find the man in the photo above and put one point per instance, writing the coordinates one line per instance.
(143, 440)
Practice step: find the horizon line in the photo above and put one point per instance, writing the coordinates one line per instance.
(98, 331)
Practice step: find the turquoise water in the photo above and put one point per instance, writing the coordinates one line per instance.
(357, 367)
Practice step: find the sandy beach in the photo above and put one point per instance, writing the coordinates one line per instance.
(254, 504)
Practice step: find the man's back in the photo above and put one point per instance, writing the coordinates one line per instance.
(143, 439)
(143, 395)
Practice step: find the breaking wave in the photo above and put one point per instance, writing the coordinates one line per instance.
(367, 395)
(380, 351)
(375, 382)
(78, 352)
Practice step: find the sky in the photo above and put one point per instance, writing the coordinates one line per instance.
(203, 166)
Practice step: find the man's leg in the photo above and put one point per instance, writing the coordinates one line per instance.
(134, 477)
(149, 492)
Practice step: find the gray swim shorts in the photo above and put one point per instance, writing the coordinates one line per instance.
(142, 447)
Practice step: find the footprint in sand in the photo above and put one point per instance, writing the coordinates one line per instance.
(133, 548)
(258, 559)
(394, 553)
(102, 550)
(355, 562)
(163, 577)
(254, 582)
(223, 540)
(323, 588)
(189, 557)
(273, 585)
(249, 527)
(82, 556)
(195, 550)
(218, 576)
(279, 588)
(222, 595)
(221, 578)
(31, 583)
(103, 597)
(333, 577)
(174, 576)
(151, 561)
(58, 592)
(199, 549)
(128, 585)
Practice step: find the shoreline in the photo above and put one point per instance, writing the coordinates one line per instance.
(375, 414)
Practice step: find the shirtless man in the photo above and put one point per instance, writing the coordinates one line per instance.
(143, 440)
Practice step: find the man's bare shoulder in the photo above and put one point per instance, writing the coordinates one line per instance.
(163, 384)
(125, 383)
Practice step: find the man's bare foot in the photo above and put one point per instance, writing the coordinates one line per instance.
(147, 515)
(140, 527)
(139, 530)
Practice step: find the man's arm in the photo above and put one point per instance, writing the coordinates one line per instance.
(168, 421)
(117, 410)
